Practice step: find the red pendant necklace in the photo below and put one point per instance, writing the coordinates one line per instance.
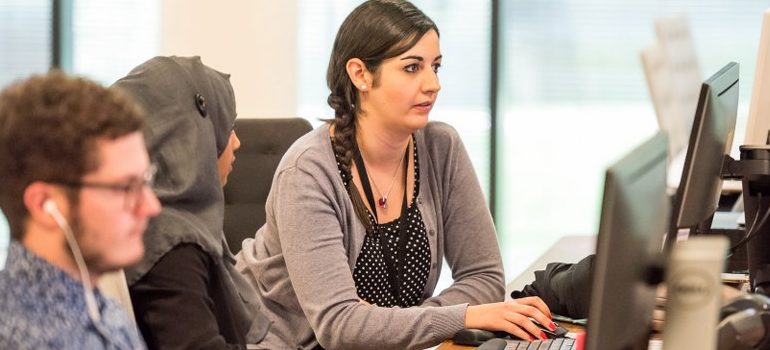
(383, 200)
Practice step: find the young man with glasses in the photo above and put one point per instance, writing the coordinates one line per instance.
(76, 190)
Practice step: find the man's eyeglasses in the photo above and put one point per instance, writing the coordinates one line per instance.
(133, 190)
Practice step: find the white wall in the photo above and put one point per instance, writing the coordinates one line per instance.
(253, 40)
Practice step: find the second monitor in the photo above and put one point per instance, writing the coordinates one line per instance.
(711, 139)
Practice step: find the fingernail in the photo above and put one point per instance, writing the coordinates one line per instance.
(531, 338)
(543, 336)
(552, 326)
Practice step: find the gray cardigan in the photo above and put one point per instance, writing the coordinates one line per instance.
(301, 260)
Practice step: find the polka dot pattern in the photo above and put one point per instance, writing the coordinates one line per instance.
(371, 270)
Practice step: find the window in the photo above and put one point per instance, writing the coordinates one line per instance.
(98, 39)
(574, 99)
(25, 38)
(25, 43)
(109, 38)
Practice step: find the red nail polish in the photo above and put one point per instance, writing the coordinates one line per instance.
(543, 336)
(552, 326)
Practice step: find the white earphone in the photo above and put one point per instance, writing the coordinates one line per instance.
(50, 207)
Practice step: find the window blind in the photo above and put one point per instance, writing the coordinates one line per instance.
(25, 38)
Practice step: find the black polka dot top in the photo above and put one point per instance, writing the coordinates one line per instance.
(371, 272)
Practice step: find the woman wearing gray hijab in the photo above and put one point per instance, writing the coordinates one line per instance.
(185, 292)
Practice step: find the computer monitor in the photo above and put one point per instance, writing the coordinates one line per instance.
(711, 138)
(758, 123)
(673, 79)
(629, 262)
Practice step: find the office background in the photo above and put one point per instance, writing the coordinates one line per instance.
(569, 95)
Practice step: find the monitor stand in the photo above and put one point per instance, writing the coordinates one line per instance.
(754, 170)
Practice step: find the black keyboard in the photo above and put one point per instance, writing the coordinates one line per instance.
(547, 344)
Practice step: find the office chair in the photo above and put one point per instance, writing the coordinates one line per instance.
(263, 143)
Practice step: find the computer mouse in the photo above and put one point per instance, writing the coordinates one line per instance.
(559, 332)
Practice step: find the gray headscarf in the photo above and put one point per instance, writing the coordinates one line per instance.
(190, 114)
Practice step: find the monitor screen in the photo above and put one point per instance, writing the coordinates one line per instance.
(711, 138)
(673, 78)
(629, 262)
(758, 124)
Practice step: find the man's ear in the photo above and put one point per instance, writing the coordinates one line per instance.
(359, 75)
(35, 196)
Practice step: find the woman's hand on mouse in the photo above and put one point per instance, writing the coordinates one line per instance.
(512, 316)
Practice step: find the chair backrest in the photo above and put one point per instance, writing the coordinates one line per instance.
(263, 143)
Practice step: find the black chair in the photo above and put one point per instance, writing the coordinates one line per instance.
(263, 143)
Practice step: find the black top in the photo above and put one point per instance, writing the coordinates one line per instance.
(371, 272)
(168, 287)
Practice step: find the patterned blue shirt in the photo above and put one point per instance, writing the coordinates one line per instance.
(42, 307)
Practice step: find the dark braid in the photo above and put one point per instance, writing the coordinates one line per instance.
(344, 145)
(344, 129)
(375, 31)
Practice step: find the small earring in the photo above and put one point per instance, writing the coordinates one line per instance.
(363, 86)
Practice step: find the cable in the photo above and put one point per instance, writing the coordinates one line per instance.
(754, 227)
(85, 277)
(93, 309)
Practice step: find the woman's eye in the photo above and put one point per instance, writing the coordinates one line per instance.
(412, 68)
(436, 66)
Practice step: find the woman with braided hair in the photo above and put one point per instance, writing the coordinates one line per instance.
(364, 209)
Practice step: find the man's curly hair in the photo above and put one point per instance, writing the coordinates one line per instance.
(49, 126)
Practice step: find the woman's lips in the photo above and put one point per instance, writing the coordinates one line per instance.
(424, 107)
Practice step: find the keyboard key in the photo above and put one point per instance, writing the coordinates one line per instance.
(548, 344)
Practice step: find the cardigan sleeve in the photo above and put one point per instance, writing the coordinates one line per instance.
(311, 237)
(466, 232)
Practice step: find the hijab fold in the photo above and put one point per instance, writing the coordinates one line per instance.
(190, 114)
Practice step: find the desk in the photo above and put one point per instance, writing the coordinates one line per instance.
(568, 249)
